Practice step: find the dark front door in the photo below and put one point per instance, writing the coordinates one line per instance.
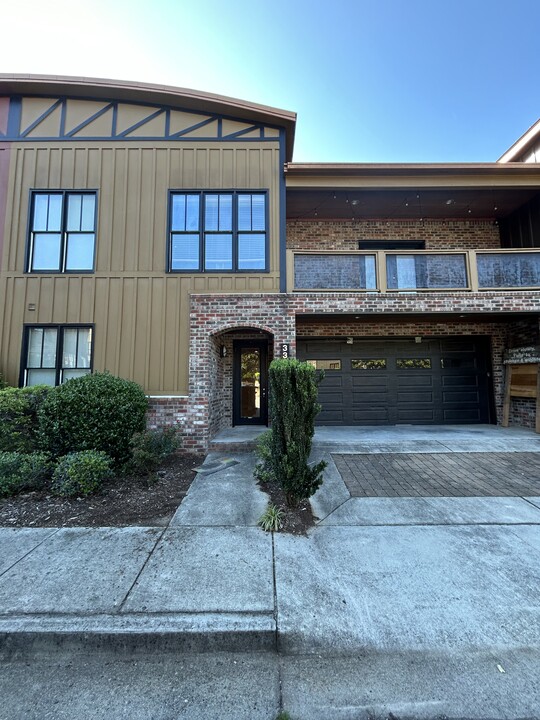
(250, 371)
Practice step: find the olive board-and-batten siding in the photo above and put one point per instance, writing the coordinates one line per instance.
(140, 312)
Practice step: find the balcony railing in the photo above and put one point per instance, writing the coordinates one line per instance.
(413, 271)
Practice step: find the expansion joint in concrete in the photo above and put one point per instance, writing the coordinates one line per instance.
(47, 537)
(157, 541)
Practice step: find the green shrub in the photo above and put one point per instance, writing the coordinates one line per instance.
(150, 447)
(285, 449)
(18, 417)
(20, 472)
(93, 412)
(3, 383)
(81, 473)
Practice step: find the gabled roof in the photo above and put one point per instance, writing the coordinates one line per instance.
(522, 144)
(99, 88)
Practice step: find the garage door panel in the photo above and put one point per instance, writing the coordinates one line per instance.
(332, 405)
(462, 414)
(332, 381)
(335, 417)
(460, 381)
(463, 396)
(379, 384)
(415, 398)
(331, 398)
(371, 416)
(362, 399)
(415, 415)
(417, 381)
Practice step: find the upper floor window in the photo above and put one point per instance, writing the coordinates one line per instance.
(219, 232)
(56, 353)
(62, 232)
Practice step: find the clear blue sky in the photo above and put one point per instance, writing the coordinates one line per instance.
(371, 80)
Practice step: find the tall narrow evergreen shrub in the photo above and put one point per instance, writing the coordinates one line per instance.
(285, 449)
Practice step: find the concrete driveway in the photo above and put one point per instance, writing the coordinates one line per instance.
(427, 475)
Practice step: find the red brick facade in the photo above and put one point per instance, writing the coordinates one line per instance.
(217, 320)
(437, 234)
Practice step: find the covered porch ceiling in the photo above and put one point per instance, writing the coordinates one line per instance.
(355, 204)
(413, 192)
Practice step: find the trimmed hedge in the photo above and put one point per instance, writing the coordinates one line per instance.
(18, 417)
(20, 472)
(93, 412)
(81, 473)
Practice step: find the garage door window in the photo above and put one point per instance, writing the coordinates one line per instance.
(413, 363)
(325, 364)
(372, 364)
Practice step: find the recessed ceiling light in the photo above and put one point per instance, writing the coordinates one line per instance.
(450, 201)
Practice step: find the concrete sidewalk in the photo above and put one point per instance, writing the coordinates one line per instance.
(419, 607)
(184, 588)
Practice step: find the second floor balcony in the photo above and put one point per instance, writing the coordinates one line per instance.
(393, 271)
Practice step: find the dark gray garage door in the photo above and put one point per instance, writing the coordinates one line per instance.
(388, 382)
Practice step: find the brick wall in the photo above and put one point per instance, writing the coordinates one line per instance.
(167, 411)
(523, 333)
(523, 412)
(215, 319)
(437, 234)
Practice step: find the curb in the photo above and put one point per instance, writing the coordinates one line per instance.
(132, 633)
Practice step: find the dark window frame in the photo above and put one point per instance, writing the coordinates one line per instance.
(202, 232)
(61, 270)
(59, 327)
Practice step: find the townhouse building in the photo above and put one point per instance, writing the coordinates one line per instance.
(165, 235)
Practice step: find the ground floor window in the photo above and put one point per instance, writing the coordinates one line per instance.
(53, 354)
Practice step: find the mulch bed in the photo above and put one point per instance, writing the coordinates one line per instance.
(133, 501)
(124, 501)
(297, 520)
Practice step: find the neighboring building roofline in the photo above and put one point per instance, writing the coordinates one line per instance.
(188, 99)
(522, 144)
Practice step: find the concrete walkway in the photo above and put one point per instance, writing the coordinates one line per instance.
(420, 607)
